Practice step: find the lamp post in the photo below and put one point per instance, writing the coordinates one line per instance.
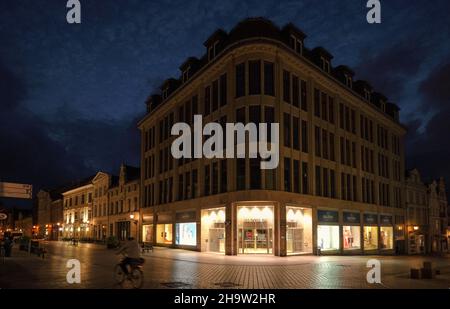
(136, 223)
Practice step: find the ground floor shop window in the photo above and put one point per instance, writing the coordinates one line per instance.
(164, 234)
(370, 238)
(186, 234)
(213, 230)
(147, 233)
(351, 237)
(255, 229)
(328, 237)
(387, 237)
(298, 230)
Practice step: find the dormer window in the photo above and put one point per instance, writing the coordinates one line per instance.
(186, 74)
(165, 93)
(212, 51)
(296, 44)
(383, 106)
(348, 81)
(325, 64)
(367, 94)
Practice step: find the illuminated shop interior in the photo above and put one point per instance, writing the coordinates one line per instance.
(186, 234)
(328, 237)
(387, 237)
(164, 234)
(213, 230)
(370, 237)
(255, 229)
(147, 233)
(298, 230)
(351, 237)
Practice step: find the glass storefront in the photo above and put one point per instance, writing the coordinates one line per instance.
(387, 237)
(352, 237)
(164, 234)
(186, 234)
(213, 230)
(370, 237)
(147, 233)
(298, 230)
(328, 237)
(255, 229)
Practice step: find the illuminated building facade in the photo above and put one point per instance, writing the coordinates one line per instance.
(338, 185)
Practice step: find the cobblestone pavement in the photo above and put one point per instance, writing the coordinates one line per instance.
(173, 268)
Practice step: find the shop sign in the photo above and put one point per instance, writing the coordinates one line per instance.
(370, 218)
(385, 220)
(351, 217)
(186, 216)
(162, 218)
(327, 216)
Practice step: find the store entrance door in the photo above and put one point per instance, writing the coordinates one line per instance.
(255, 237)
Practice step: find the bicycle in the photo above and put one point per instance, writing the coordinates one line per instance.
(135, 274)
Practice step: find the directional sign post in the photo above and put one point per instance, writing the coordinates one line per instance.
(16, 190)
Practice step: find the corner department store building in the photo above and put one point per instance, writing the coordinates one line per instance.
(338, 185)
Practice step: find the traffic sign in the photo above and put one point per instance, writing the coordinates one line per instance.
(16, 190)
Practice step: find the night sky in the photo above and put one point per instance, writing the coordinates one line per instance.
(71, 95)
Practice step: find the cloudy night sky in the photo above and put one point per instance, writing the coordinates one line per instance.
(71, 95)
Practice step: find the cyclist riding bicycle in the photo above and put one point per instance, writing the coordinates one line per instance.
(133, 254)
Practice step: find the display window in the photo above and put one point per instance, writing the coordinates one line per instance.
(387, 237)
(147, 233)
(298, 230)
(370, 238)
(328, 237)
(351, 237)
(186, 234)
(213, 230)
(164, 234)
(255, 229)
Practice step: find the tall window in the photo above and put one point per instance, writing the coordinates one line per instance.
(296, 133)
(255, 180)
(331, 109)
(304, 103)
(332, 183)
(223, 176)
(187, 189)
(207, 180)
(326, 191)
(240, 80)
(269, 83)
(324, 144)
(180, 187)
(215, 178)
(296, 176)
(194, 183)
(295, 91)
(287, 130)
(324, 106)
(286, 87)
(287, 174)
(240, 174)
(223, 90)
(316, 102)
(215, 95)
(304, 136)
(207, 107)
(305, 178)
(332, 151)
(318, 182)
(317, 141)
(254, 76)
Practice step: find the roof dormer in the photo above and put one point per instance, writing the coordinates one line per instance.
(295, 37)
(188, 68)
(152, 102)
(379, 100)
(345, 75)
(214, 42)
(393, 111)
(168, 87)
(322, 58)
(364, 89)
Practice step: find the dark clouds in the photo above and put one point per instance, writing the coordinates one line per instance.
(70, 95)
(429, 149)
